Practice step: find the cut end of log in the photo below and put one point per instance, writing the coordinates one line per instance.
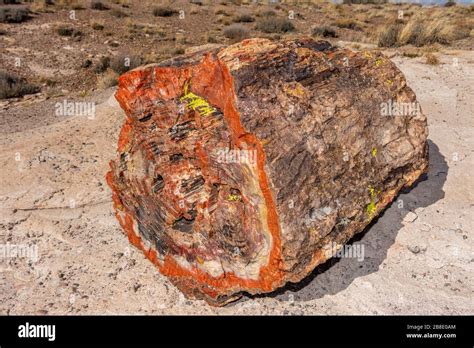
(229, 176)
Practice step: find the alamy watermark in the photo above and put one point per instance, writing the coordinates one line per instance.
(10, 251)
(70, 108)
(392, 108)
(237, 156)
(354, 251)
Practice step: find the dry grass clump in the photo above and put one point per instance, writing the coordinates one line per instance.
(11, 86)
(323, 31)
(98, 5)
(245, 18)
(346, 23)
(66, 30)
(236, 32)
(275, 25)
(364, 2)
(97, 25)
(431, 59)
(108, 79)
(13, 14)
(123, 63)
(389, 36)
(164, 12)
(411, 53)
(119, 64)
(118, 13)
(421, 31)
(267, 13)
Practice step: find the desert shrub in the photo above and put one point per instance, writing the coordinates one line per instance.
(98, 5)
(108, 79)
(431, 59)
(118, 13)
(87, 63)
(268, 13)
(13, 14)
(179, 50)
(421, 32)
(122, 63)
(163, 12)
(211, 38)
(64, 30)
(364, 2)
(97, 26)
(222, 12)
(236, 32)
(411, 53)
(244, 19)
(11, 86)
(450, 3)
(102, 65)
(388, 37)
(275, 25)
(323, 31)
(347, 23)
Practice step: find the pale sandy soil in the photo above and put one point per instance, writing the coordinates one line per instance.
(53, 195)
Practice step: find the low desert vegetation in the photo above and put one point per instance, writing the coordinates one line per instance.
(236, 32)
(108, 79)
(12, 86)
(275, 25)
(164, 12)
(13, 14)
(245, 18)
(65, 30)
(268, 13)
(364, 2)
(97, 26)
(118, 13)
(98, 5)
(323, 31)
(119, 64)
(421, 31)
(153, 30)
(432, 59)
(347, 23)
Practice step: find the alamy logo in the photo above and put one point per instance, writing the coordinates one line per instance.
(237, 156)
(69, 108)
(391, 108)
(355, 251)
(10, 251)
(37, 331)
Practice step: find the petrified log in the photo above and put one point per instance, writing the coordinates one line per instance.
(242, 168)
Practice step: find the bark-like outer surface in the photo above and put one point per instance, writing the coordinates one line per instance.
(322, 161)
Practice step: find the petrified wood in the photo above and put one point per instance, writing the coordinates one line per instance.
(242, 168)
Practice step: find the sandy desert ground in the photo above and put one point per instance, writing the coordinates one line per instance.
(53, 197)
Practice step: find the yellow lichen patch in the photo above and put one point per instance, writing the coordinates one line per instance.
(195, 102)
(367, 55)
(378, 61)
(233, 198)
(372, 206)
(390, 82)
(199, 260)
(297, 90)
(374, 152)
